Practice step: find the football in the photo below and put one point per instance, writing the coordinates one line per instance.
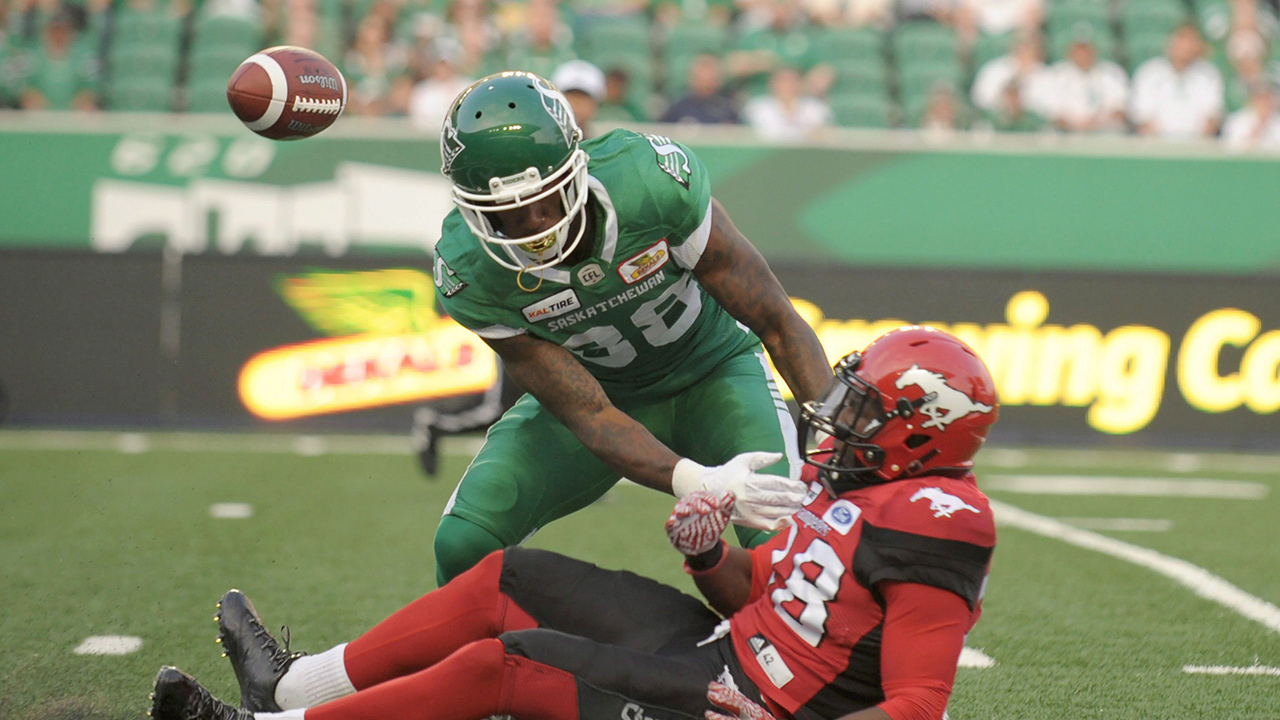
(287, 93)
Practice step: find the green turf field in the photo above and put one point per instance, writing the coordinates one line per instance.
(1096, 616)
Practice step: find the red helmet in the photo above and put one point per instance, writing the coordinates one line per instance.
(916, 399)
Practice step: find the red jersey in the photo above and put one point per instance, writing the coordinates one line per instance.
(809, 636)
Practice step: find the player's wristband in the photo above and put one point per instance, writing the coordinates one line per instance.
(686, 477)
(707, 562)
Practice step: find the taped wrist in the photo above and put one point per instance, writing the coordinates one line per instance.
(686, 477)
(707, 562)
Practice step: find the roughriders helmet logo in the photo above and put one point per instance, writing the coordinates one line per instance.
(671, 158)
(558, 108)
(943, 504)
(450, 145)
(943, 403)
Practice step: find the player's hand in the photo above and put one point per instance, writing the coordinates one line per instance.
(740, 707)
(761, 501)
(698, 520)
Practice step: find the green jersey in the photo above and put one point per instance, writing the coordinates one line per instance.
(632, 312)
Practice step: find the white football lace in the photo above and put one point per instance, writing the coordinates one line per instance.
(328, 107)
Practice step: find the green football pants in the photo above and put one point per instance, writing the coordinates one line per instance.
(532, 470)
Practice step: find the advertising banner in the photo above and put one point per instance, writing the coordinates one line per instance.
(206, 186)
(357, 343)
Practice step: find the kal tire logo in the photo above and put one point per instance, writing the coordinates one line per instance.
(562, 302)
(645, 263)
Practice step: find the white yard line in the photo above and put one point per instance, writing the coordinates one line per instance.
(1118, 459)
(230, 511)
(1194, 578)
(1224, 670)
(108, 645)
(1138, 486)
(1121, 524)
(974, 658)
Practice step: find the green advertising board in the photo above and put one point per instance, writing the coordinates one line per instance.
(206, 185)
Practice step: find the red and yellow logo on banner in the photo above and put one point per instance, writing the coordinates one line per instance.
(394, 348)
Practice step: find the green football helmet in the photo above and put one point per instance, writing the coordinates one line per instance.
(510, 140)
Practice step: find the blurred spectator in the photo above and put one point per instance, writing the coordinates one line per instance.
(59, 74)
(544, 42)
(706, 100)
(370, 68)
(784, 41)
(1023, 66)
(997, 17)
(1247, 52)
(618, 104)
(850, 13)
(1011, 113)
(1178, 96)
(471, 24)
(434, 93)
(943, 11)
(943, 113)
(669, 13)
(589, 11)
(583, 85)
(786, 113)
(1084, 94)
(1257, 125)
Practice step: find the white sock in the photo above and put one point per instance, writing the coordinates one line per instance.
(312, 680)
(286, 715)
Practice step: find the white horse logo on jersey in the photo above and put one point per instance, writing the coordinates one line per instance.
(671, 159)
(943, 403)
(942, 504)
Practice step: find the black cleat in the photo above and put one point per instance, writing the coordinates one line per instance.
(177, 696)
(257, 659)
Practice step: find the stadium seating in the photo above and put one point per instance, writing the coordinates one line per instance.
(1140, 48)
(142, 94)
(860, 75)
(218, 45)
(1151, 16)
(865, 110)
(154, 59)
(833, 44)
(142, 60)
(924, 41)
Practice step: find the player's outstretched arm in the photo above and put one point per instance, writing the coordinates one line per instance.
(722, 573)
(556, 378)
(736, 275)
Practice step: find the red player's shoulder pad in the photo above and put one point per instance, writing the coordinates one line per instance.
(950, 508)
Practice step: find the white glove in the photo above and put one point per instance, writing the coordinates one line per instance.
(764, 502)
